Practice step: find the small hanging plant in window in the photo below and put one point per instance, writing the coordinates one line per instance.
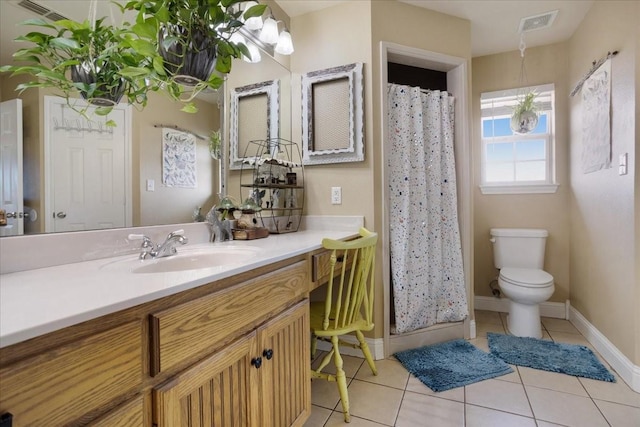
(525, 115)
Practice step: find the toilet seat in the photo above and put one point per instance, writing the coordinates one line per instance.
(526, 277)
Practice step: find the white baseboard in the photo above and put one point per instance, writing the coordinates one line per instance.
(547, 309)
(376, 346)
(629, 372)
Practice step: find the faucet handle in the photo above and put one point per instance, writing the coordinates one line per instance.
(176, 233)
(145, 239)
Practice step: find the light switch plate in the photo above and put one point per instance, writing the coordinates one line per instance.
(622, 164)
(151, 185)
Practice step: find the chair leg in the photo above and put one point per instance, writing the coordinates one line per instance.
(367, 353)
(341, 378)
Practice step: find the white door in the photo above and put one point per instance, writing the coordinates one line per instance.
(88, 168)
(11, 167)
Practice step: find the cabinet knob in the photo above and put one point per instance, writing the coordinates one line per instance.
(6, 419)
(268, 353)
(257, 362)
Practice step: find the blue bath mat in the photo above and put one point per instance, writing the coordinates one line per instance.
(451, 364)
(570, 359)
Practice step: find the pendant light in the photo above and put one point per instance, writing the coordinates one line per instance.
(524, 118)
(269, 33)
(285, 44)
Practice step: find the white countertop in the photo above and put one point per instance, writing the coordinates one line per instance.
(39, 301)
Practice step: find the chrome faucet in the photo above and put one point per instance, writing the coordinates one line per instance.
(167, 248)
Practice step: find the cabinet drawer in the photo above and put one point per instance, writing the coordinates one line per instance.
(129, 414)
(59, 386)
(321, 267)
(200, 326)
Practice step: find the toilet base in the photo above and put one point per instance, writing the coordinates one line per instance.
(524, 320)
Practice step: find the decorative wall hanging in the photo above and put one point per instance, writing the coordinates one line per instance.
(333, 115)
(178, 159)
(596, 120)
(524, 118)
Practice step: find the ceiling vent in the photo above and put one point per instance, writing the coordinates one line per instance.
(537, 22)
(41, 10)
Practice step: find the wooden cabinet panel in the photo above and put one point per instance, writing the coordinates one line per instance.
(129, 414)
(200, 326)
(215, 392)
(285, 381)
(59, 386)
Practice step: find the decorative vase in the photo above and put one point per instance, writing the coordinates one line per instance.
(109, 95)
(524, 122)
(189, 57)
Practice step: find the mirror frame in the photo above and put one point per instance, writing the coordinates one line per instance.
(271, 89)
(354, 151)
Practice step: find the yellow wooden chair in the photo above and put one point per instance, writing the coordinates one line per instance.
(348, 307)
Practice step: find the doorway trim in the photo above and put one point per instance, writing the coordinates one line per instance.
(458, 84)
(47, 167)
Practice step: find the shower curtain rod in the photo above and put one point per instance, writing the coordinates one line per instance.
(181, 130)
(594, 66)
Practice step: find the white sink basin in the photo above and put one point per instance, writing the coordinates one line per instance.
(190, 259)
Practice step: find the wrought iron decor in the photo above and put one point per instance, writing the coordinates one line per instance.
(254, 116)
(333, 115)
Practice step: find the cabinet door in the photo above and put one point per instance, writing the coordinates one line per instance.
(215, 392)
(285, 386)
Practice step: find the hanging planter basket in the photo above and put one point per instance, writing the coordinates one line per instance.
(525, 117)
(103, 94)
(189, 57)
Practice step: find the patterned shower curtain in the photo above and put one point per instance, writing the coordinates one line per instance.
(426, 256)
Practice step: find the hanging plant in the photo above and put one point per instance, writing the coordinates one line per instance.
(525, 116)
(179, 47)
(91, 58)
(189, 42)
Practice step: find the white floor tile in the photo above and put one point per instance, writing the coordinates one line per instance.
(416, 386)
(318, 417)
(552, 381)
(501, 395)
(477, 416)
(619, 415)
(421, 410)
(618, 392)
(374, 402)
(390, 373)
(564, 408)
(337, 420)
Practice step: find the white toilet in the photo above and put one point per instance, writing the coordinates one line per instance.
(519, 254)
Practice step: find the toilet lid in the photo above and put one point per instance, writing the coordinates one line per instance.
(528, 277)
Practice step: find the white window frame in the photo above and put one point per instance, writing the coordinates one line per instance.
(495, 105)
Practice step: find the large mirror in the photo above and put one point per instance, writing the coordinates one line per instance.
(153, 203)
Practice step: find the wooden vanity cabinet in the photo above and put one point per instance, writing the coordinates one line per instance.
(262, 379)
(230, 353)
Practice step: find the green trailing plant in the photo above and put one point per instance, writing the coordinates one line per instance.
(93, 59)
(189, 42)
(215, 144)
(101, 61)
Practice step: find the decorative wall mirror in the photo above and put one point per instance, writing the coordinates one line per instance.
(254, 116)
(332, 115)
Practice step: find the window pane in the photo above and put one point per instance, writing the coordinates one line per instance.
(530, 171)
(530, 150)
(496, 127)
(500, 152)
(499, 172)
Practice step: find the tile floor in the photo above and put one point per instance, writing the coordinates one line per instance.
(524, 398)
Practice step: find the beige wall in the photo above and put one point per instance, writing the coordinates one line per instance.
(347, 33)
(604, 205)
(167, 205)
(546, 64)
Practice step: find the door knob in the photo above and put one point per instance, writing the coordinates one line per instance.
(61, 215)
(12, 215)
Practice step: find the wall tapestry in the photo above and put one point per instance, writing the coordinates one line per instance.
(178, 159)
(596, 120)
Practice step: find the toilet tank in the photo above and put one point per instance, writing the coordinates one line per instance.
(518, 247)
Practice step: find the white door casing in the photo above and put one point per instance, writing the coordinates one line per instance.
(87, 168)
(11, 185)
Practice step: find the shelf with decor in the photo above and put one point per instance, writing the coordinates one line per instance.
(272, 179)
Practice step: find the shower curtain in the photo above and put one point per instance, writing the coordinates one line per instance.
(426, 257)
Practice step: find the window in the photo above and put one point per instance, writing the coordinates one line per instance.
(513, 163)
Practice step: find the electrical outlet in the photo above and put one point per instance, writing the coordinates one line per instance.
(622, 164)
(151, 185)
(336, 195)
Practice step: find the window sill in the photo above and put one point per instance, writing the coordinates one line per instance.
(519, 189)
